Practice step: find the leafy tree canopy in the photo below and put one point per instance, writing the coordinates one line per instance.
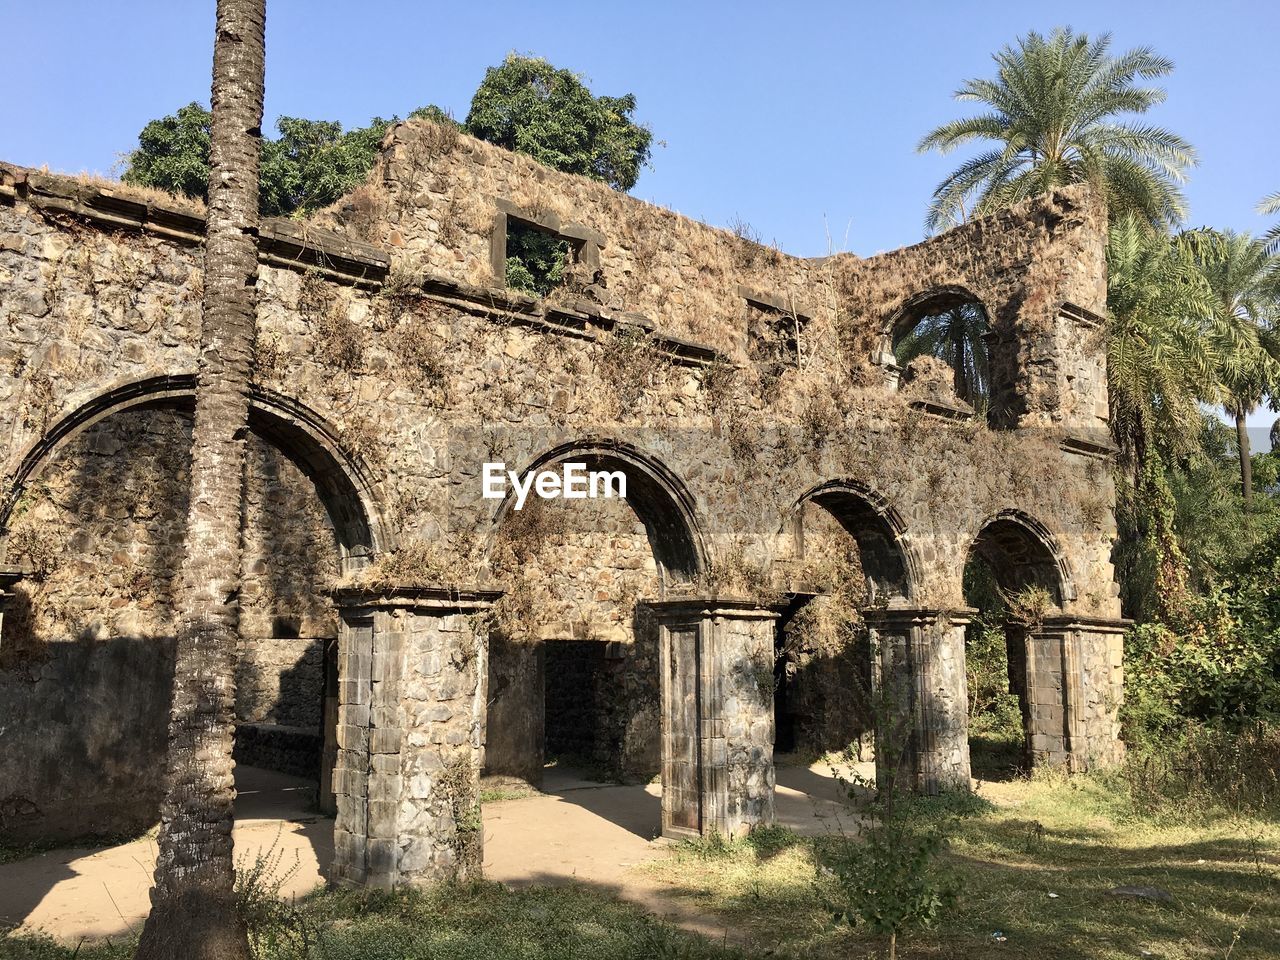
(529, 106)
(1052, 116)
(526, 105)
(310, 165)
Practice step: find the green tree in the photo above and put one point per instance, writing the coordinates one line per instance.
(1240, 328)
(529, 106)
(1160, 367)
(1053, 105)
(526, 105)
(956, 336)
(173, 153)
(193, 904)
(310, 165)
(314, 162)
(1271, 238)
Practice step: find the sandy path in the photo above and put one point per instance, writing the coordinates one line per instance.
(575, 831)
(96, 893)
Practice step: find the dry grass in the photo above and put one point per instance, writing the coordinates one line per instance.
(129, 191)
(1036, 869)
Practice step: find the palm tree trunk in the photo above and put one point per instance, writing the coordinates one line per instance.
(193, 914)
(1246, 458)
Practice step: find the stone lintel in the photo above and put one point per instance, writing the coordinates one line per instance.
(943, 409)
(775, 302)
(10, 577)
(550, 221)
(1098, 446)
(436, 600)
(1077, 314)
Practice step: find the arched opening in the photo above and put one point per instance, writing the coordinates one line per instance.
(845, 549)
(98, 513)
(1015, 580)
(942, 341)
(573, 666)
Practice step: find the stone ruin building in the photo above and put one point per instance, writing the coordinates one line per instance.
(799, 510)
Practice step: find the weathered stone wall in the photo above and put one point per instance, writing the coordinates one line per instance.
(279, 680)
(660, 356)
(101, 533)
(82, 739)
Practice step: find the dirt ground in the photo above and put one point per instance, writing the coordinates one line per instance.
(575, 830)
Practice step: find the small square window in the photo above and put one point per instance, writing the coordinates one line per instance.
(538, 260)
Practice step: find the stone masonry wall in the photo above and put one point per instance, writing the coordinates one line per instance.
(419, 368)
(102, 534)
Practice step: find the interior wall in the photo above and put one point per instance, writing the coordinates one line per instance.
(86, 657)
(573, 669)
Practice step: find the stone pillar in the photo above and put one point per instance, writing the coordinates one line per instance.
(411, 669)
(9, 577)
(922, 698)
(1075, 685)
(716, 659)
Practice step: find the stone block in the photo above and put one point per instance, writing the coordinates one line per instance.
(385, 739)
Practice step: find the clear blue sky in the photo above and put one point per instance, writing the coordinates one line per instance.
(791, 117)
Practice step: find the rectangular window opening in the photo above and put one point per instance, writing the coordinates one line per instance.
(538, 260)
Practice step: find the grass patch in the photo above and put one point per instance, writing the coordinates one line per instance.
(495, 794)
(482, 921)
(1034, 862)
(1075, 837)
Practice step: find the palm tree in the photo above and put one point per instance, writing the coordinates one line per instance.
(1245, 310)
(1271, 238)
(193, 909)
(1052, 115)
(1160, 367)
(954, 335)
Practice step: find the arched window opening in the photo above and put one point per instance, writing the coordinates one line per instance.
(953, 327)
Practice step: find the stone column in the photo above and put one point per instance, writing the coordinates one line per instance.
(411, 669)
(9, 577)
(716, 659)
(922, 698)
(1075, 685)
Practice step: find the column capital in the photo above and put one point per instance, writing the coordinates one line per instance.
(438, 600)
(1063, 622)
(712, 607)
(882, 618)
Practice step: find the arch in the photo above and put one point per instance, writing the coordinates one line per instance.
(923, 303)
(962, 338)
(889, 562)
(659, 497)
(1021, 551)
(345, 484)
